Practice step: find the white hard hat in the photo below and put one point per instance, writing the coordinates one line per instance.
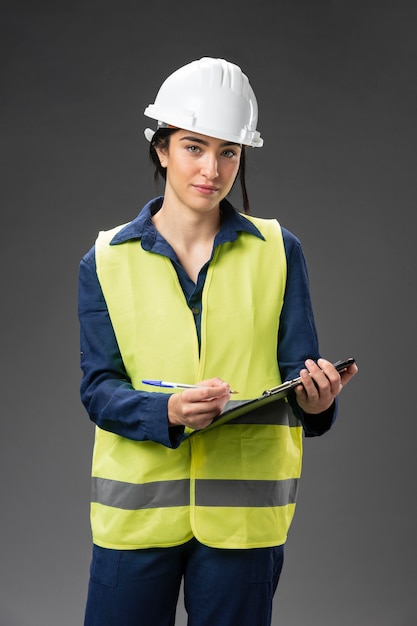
(210, 96)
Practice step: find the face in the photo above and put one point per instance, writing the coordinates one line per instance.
(200, 170)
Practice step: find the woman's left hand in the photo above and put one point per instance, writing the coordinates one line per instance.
(321, 384)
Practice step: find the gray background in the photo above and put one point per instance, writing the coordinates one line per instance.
(336, 85)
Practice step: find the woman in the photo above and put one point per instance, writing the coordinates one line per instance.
(195, 292)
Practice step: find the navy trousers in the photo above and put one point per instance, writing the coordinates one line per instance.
(221, 587)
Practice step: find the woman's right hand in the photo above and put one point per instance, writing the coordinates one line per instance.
(197, 408)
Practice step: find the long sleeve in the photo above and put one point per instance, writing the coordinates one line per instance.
(298, 336)
(106, 390)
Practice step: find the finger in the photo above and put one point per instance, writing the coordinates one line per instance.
(332, 375)
(300, 392)
(207, 393)
(309, 384)
(348, 374)
(212, 382)
(320, 386)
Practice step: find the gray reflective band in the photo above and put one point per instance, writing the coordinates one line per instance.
(131, 497)
(209, 492)
(256, 493)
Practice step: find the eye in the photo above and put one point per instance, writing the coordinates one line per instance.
(229, 154)
(193, 149)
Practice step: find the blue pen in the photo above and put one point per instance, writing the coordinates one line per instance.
(166, 383)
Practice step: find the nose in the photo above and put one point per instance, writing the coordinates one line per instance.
(209, 168)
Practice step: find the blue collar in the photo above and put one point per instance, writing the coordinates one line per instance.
(143, 228)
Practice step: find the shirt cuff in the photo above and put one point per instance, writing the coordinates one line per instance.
(314, 425)
(157, 428)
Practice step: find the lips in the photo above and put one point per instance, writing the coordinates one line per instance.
(206, 189)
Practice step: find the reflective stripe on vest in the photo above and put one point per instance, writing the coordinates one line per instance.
(226, 493)
(233, 486)
(131, 496)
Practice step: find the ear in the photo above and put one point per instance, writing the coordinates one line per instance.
(162, 156)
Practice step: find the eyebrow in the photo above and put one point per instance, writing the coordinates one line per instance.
(206, 143)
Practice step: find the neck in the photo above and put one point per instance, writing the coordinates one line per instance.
(190, 233)
(186, 226)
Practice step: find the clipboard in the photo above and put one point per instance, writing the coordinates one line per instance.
(236, 408)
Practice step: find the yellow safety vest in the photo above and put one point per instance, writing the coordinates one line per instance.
(230, 487)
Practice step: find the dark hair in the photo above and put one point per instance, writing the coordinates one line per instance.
(161, 140)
